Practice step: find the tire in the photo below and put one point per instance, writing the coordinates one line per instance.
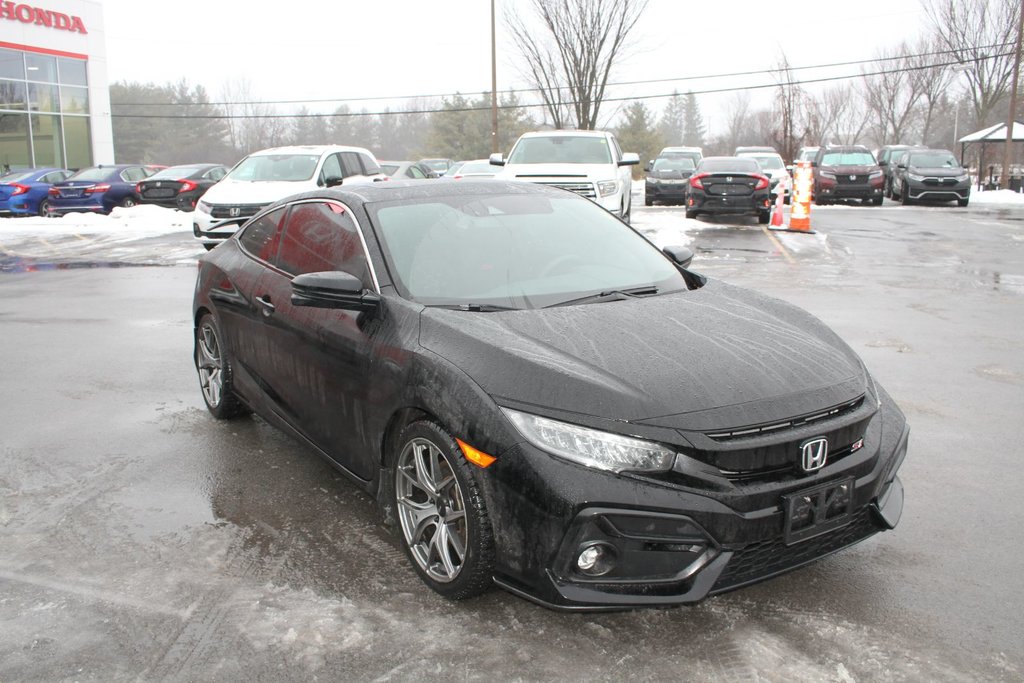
(691, 214)
(887, 189)
(216, 375)
(905, 199)
(209, 247)
(877, 201)
(44, 208)
(764, 217)
(443, 523)
(963, 202)
(648, 201)
(128, 202)
(627, 213)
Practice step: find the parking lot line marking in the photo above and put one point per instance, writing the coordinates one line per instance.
(777, 243)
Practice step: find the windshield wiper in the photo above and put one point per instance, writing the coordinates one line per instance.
(632, 292)
(474, 308)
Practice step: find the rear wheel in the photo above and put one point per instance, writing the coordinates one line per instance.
(763, 217)
(442, 517)
(216, 377)
(128, 202)
(44, 208)
(648, 201)
(691, 214)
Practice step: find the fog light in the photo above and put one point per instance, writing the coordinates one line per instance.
(596, 560)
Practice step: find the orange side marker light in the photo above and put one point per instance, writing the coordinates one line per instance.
(478, 458)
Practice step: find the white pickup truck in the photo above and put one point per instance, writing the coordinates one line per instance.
(588, 162)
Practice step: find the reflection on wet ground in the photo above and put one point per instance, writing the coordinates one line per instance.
(26, 254)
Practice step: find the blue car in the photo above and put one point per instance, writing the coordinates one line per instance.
(25, 192)
(98, 189)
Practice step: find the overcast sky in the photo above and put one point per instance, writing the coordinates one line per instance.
(316, 50)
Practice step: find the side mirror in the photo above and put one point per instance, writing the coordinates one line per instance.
(497, 159)
(903, 166)
(649, 166)
(333, 289)
(681, 256)
(629, 159)
(333, 181)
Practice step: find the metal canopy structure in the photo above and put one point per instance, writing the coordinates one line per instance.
(986, 136)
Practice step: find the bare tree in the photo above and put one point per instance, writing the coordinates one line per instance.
(570, 59)
(252, 125)
(891, 94)
(848, 115)
(980, 34)
(933, 80)
(788, 100)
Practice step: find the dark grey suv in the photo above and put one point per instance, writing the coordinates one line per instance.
(930, 175)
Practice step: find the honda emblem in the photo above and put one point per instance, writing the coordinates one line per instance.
(853, 177)
(234, 212)
(813, 454)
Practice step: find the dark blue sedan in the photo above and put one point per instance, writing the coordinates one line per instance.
(25, 192)
(98, 189)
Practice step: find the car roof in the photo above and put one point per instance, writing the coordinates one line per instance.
(560, 132)
(308, 149)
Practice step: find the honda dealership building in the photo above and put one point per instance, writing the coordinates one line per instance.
(54, 97)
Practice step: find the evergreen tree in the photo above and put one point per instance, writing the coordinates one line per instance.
(310, 130)
(673, 120)
(638, 133)
(693, 124)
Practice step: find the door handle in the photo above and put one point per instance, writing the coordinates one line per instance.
(265, 303)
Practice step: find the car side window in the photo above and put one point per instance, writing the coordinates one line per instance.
(616, 149)
(332, 168)
(321, 236)
(133, 174)
(415, 172)
(261, 237)
(350, 160)
(214, 174)
(370, 167)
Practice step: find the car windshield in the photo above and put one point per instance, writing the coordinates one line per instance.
(275, 167)
(476, 167)
(93, 174)
(436, 164)
(514, 250)
(15, 176)
(768, 161)
(807, 154)
(934, 160)
(561, 149)
(673, 164)
(730, 164)
(175, 172)
(847, 159)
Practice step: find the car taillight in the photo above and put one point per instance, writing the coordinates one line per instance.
(695, 181)
(138, 188)
(53, 192)
(92, 189)
(762, 182)
(186, 186)
(18, 188)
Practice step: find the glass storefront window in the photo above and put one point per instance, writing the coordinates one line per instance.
(14, 149)
(46, 140)
(12, 95)
(40, 68)
(72, 71)
(42, 97)
(12, 64)
(74, 100)
(76, 141)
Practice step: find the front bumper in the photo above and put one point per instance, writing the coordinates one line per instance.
(937, 190)
(850, 190)
(666, 192)
(672, 544)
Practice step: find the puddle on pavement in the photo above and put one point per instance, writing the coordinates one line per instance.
(18, 264)
(998, 282)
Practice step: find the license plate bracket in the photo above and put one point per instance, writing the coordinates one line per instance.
(817, 510)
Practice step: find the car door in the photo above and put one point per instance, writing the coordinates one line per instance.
(318, 363)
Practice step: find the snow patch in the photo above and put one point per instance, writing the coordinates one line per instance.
(131, 223)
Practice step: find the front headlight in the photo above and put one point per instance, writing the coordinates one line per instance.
(202, 206)
(962, 178)
(653, 181)
(827, 174)
(875, 174)
(915, 177)
(607, 187)
(590, 447)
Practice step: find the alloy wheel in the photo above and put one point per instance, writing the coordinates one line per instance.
(210, 364)
(431, 510)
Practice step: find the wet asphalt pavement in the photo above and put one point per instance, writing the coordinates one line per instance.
(142, 540)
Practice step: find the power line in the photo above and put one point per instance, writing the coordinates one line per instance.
(710, 91)
(512, 91)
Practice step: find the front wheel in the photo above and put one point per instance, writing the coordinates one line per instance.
(905, 198)
(443, 519)
(877, 201)
(962, 202)
(216, 376)
(626, 212)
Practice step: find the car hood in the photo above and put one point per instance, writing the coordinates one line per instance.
(248, 192)
(710, 358)
(858, 169)
(670, 175)
(530, 172)
(938, 172)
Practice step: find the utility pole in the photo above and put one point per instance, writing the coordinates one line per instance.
(1008, 147)
(494, 85)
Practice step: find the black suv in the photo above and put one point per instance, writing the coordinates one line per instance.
(843, 172)
(887, 156)
(930, 174)
(666, 179)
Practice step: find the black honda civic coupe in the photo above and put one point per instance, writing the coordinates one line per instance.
(539, 398)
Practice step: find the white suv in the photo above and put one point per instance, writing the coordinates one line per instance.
(266, 176)
(587, 162)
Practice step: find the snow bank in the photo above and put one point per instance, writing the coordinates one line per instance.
(997, 197)
(138, 221)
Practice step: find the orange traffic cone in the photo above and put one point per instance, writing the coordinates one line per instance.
(800, 213)
(777, 211)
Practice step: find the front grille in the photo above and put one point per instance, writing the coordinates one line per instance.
(799, 421)
(940, 181)
(766, 558)
(244, 210)
(783, 471)
(847, 179)
(585, 189)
